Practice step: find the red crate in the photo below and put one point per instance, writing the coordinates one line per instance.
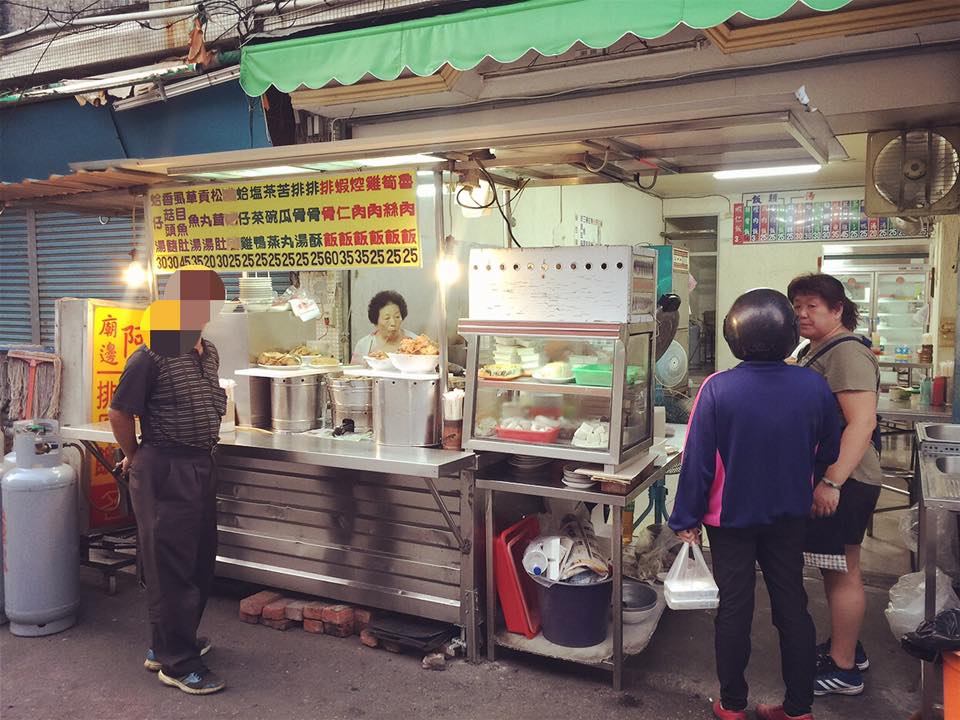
(518, 595)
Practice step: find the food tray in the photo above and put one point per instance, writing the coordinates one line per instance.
(602, 375)
(532, 436)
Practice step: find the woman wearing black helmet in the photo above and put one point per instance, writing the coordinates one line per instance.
(845, 498)
(747, 464)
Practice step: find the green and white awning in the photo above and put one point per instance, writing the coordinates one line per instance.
(504, 33)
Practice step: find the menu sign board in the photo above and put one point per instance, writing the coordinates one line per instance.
(782, 218)
(303, 222)
(116, 334)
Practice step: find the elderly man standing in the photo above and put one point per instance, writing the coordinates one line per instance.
(171, 383)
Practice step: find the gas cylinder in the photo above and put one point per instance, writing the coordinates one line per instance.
(41, 557)
(9, 461)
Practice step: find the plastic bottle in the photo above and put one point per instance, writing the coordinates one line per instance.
(535, 562)
(926, 391)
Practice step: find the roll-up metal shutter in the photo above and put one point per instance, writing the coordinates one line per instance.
(14, 279)
(82, 256)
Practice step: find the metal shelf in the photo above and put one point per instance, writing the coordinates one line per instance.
(524, 385)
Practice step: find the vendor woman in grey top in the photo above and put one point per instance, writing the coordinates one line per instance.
(845, 499)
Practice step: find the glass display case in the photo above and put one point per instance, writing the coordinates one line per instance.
(581, 392)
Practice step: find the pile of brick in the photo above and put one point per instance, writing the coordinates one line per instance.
(281, 612)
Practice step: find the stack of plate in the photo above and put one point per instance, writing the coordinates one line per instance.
(523, 466)
(576, 480)
(256, 293)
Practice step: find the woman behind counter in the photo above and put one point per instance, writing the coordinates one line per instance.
(387, 311)
(845, 498)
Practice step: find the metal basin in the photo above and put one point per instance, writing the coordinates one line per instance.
(944, 433)
(949, 465)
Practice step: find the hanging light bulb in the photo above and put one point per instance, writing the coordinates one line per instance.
(135, 275)
(448, 267)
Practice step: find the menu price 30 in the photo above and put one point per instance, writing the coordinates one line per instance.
(311, 223)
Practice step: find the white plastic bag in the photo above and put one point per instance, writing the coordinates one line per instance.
(690, 584)
(905, 610)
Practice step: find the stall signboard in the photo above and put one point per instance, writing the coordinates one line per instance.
(301, 222)
(780, 217)
(116, 334)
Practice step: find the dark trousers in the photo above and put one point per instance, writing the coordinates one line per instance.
(779, 550)
(174, 498)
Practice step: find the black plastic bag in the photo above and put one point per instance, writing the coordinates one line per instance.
(942, 634)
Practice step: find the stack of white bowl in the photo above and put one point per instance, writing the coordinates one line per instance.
(256, 293)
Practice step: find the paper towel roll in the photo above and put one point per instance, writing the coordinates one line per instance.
(659, 421)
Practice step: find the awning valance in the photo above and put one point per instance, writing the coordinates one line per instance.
(504, 33)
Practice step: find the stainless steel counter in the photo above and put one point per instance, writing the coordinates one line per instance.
(343, 454)
(905, 413)
(384, 527)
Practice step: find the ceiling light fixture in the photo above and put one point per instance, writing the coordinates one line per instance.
(766, 172)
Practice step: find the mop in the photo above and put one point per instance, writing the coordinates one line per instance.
(33, 380)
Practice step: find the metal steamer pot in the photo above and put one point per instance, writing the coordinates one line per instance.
(295, 403)
(351, 399)
(406, 412)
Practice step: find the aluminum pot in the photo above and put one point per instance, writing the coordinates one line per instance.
(406, 412)
(294, 403)
(351, 398)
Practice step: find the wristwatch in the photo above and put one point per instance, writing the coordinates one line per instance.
(831, 483)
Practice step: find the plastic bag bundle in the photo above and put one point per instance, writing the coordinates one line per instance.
(905, 609)
(690, 584)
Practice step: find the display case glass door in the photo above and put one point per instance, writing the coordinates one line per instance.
(900, 311)
(860, 289)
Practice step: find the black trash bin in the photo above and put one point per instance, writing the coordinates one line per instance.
(575, 615)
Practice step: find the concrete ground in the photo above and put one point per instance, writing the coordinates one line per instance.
(94, 670)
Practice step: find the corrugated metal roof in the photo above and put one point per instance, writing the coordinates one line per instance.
(103, 190)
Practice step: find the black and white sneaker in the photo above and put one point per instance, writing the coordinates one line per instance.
(833, 680)
(151, 663)
(860, 658)
(195, 683)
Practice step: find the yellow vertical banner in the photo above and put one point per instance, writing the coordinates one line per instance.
(303, 222)
(116, 334)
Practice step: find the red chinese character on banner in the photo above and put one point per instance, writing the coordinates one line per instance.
(131, 336)
(392, 237)
(342, 185)
(359, 211)
(409, 237)
(376, 237)
(373, 183)
(108, 354)
(360, 238)
(374, 210)
(105, 390)
(328, 212)
(357, 184)
(391, 209)
(343, 213)
(389, 182)
(345, 239)
(407, 208)
(405, 180)
(329, 239)
(108, 326)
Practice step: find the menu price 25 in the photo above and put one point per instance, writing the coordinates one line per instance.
(314, 222)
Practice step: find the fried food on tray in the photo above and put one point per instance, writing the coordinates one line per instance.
(420, 345)
(277, 358)
(301, 350)
(378, 355)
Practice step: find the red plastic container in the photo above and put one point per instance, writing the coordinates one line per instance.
(517, 592)
(530, 436)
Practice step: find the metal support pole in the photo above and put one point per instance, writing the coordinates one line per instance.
(927, 546)
(616, 552)
(441, 287)
(490, 611)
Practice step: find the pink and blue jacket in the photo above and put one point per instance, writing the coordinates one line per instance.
(760, 435)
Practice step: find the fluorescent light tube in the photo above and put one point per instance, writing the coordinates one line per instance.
(766, 172)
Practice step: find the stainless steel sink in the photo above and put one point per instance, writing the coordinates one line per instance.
(949, 465)
(943, 433)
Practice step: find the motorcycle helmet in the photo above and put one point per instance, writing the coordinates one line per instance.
(761, 325)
